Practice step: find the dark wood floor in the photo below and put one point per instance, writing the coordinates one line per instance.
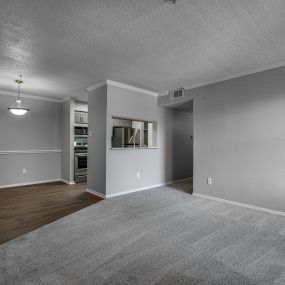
(184, 185)
(23, 209)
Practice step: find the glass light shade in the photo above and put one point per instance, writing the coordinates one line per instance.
(18, 111)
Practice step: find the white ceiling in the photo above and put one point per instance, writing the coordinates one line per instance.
(64, 46)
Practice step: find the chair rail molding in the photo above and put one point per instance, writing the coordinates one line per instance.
(29, 151)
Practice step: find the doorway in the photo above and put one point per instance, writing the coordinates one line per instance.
(182, 146)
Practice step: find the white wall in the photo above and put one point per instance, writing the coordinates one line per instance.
(239, 128)
(39, 130)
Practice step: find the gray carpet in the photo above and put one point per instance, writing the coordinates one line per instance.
(160, 236)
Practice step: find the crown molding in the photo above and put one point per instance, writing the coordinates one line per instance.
(237, 75)
(131, 88)
(29, 151)
(28, 96)
(229, 77)
(121, 85)
(96, 86)
(64, 99)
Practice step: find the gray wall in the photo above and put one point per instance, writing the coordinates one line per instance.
(154, 165)
(67, 119)
(97, 111)
(182, 144)
(239, 128)
(39, 129)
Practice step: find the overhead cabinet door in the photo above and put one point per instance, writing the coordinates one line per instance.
(81, 117)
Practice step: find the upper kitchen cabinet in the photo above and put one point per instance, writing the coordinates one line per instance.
(80, 117)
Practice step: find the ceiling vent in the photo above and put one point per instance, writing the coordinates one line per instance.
(177, 93)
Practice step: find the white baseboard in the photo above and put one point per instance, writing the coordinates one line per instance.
(123, 192)
(67, 182)
(269, 211)
(135, 190)
(29, 183)
(95, 193)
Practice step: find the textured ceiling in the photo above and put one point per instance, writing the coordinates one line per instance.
(64, 46)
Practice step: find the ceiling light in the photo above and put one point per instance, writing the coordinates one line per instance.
(18, 110)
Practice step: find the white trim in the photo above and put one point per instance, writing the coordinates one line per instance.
(132, 88)
(28, 96)
(124, 192)
(68, 182)
(30, 183)
(65, 99)
(236, 75)
(241, 204)
(132, 148)
(135, 190)
(121, 85)
(95, 193)
(30, 151)
(96, 86)
(71, 138)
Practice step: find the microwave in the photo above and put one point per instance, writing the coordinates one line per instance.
(81, 131)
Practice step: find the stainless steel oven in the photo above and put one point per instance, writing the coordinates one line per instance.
(80, 167)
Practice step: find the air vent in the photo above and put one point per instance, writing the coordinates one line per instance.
(177, 93)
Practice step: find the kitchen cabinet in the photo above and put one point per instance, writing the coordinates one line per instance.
(80, 117)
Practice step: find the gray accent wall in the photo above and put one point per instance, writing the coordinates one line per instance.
(97, 111)
(182, 145)
(154, 165)
(39, 129)
(239, 142)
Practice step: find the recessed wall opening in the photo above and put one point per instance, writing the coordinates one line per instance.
(133, 133)
(182, 149)
(182, 140)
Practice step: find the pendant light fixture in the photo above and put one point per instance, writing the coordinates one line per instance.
(18, 110)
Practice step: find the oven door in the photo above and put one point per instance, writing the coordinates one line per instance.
(81, 161)
(80, 167)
